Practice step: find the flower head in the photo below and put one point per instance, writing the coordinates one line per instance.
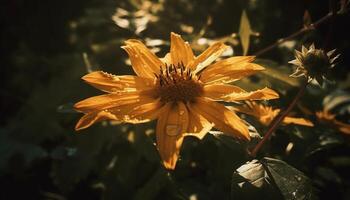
(266, 114)
(313, 63)
(179, 90)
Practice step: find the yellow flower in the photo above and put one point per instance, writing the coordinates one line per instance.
(328, 118)
(179, 90)
(265, 114)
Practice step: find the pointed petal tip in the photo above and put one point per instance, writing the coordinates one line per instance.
(246, 137)
(78, 105)
(91, 75)
(79, 126)
(272, 94)
(132, 41)
(173, 34)
(257, 67)
(169, 165)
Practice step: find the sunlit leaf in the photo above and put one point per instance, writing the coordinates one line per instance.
(272, 179)
(244, 32)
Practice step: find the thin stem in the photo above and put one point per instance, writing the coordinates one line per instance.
(277, 121)
(295, 34)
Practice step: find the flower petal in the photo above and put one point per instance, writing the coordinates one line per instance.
(144, 62)
(93, 117)
(298, 121)
(166, 59)
(230, 70)
(198, 126)
(139, 113)
(223, 119)
(207, 57)
(232, 93)
(231, 63)
(218, 91)
(172, 123)
(112, 100)
(111, 83)
(180, 50)
(134, 111)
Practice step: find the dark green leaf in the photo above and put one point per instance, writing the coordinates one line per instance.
(272, 179)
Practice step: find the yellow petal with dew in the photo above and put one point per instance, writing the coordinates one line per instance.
(198, 126)
(171, 125)
(111, 83)
(262, 94)
(229, 74)
(297, 121)
(107, 101)
(143, 61)
(90, 118)
(218, 91)
(180, 50)
(207, 57)
(223, 119)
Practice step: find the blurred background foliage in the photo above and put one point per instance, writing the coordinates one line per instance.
(46, 46)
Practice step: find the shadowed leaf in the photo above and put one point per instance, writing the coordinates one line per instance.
(268, 177)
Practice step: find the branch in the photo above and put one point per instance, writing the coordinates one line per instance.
(297, 33)
(276, 122)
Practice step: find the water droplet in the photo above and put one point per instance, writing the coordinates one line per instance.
(115, 78)
(172, 130)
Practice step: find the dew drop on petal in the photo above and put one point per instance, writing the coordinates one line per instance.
(115, 78)
(172, 130)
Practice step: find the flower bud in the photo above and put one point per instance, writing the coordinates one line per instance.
(313, 63)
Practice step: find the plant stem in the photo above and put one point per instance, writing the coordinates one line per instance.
(295, 34)
(277, 121)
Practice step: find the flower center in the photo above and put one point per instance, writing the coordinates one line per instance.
(316, 62)
(177, 83)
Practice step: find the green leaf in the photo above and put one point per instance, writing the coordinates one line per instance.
(244, 32)
(271, 178)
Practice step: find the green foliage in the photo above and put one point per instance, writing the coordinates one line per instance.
(270, 178)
